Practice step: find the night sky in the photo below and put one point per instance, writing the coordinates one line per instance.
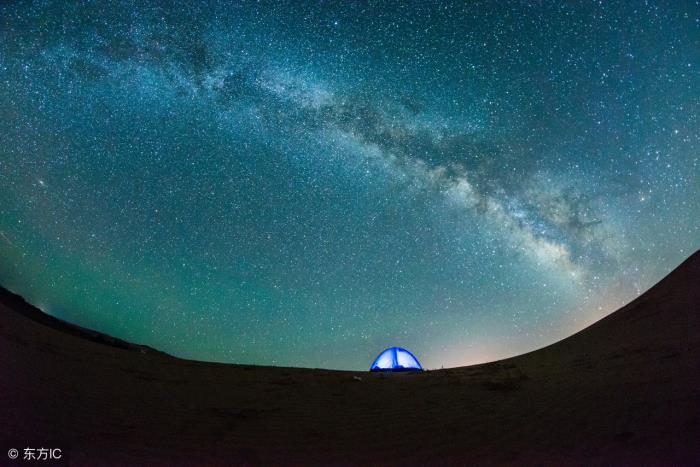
(306, 183)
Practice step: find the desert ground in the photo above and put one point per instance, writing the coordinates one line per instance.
(624, 391)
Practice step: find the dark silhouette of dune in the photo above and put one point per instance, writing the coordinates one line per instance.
(624, 391)
(19, 305)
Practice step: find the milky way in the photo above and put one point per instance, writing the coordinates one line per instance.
(306, 185)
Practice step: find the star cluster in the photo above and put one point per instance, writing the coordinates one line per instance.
(307, 184)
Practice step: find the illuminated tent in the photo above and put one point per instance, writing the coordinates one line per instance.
(395, 359)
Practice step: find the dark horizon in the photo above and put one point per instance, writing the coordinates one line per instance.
(19, 304)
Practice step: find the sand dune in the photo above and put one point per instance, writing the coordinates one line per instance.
(625, 391)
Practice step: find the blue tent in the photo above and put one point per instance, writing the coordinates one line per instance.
(395, 359)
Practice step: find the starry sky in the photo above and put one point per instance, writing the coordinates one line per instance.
(307, 183)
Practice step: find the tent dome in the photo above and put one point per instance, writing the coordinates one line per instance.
(395, 359)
